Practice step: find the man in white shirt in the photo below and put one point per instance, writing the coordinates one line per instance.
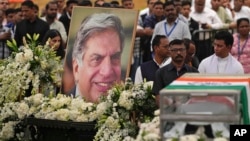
(221, 62)
(207, 19)
(205, 15)
(172, 27)
(240, 10)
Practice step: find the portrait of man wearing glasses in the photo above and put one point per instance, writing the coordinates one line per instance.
(167, 74)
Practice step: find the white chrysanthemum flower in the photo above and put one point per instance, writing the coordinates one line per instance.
(22, 110)
(20, 57)
(87, 106)
(151, 137)
(7, 131)
(28, 54)
(60, 101)
(190, 138)
(73, 114)
(112, 123)
(37, 99)
(102, 107)
(44, 111)
(51, 116)
(126, 100)
(76, 103)
(82, 118)
(115, 104)
(62, 114)
(128, 138)
(93, 116)
(66, 100)
(32, 110)
(43, 64)
(116, 136)
(220, 139)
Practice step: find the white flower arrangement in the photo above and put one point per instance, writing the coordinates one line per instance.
(115, 121)
(129, 105)
(30, 66)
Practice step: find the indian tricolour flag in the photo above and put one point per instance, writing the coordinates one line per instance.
(217, 82)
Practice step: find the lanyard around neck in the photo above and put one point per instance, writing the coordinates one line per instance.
(240, 50)
(171, 30)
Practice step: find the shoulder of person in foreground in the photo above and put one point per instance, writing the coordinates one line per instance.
(204, 64)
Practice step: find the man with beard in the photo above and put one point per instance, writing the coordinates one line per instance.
(172, 27)
(167, 74)
(50, 18)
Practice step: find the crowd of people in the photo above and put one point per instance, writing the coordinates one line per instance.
(165, 43)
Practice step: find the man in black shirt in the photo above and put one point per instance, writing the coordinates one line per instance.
(66, 16)
(31, 23)
(167, 74)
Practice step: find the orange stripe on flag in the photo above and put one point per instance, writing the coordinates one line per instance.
(217, 79)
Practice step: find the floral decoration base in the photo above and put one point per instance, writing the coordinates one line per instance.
(51, 130)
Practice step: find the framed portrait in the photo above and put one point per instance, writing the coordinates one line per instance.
(91, 44)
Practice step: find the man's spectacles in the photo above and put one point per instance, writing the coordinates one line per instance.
(175, 50)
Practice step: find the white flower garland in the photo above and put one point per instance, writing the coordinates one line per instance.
(115, 120)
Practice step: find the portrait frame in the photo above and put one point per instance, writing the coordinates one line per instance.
(128, 19)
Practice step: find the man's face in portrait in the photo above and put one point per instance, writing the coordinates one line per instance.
(101, 65)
